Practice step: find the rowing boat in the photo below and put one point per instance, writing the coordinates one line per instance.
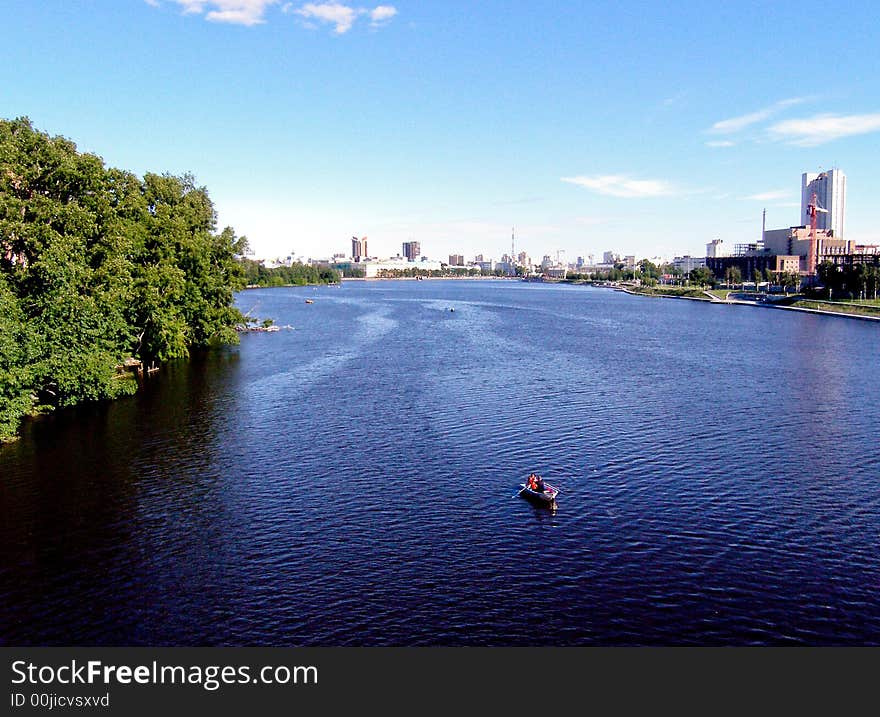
(545, 497)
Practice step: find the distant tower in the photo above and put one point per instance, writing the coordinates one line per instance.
(411, 249)
(763, 225)
(512, 243)
(829, 189)
(358, 248)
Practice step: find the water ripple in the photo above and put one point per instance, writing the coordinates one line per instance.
(351, 482)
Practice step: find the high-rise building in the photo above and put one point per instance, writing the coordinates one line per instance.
(714, 249)
(359, 248)
(411, 249)
(456, 260)
(830, 190)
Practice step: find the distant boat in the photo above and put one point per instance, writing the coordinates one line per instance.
(309, 301)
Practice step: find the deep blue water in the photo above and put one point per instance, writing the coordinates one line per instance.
(351, 481)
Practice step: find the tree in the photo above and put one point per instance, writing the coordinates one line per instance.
(873, 279)
(732, 275)
(649, 270)
(831, 277)
(789, 280)
(702, 276)
(97, 266)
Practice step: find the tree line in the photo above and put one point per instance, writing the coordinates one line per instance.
(297, 274)
(99, 266)
(860, 281)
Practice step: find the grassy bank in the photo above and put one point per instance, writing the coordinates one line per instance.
(861, 308)
(720, 293)
(678, 292)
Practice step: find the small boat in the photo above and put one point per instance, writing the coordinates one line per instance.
(545, 497)
(309, 301)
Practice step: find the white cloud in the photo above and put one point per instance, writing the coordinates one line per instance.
(769, 196)
(617, 185)
(819, 129)
(720, 143)
(237, 12)
(736, 124)
(382, 14)
(252, 12)
(343, 17)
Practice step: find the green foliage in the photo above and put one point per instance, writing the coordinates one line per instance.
(860, 281)
(17, 351)
(650, 271)
(702, 276)
(296, 274)
(789, 280)
(733, 275)
(96, 266)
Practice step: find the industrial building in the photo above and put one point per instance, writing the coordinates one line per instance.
(714, 249)
(799, 249)
(686, 264)
(782, 251)
(796, 241)
(749, 262)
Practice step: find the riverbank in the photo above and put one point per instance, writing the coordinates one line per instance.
(847, 310)
(671, 292)
(810, 306)
(289, 286)
(430, 278)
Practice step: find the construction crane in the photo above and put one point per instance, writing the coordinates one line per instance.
(813, 210)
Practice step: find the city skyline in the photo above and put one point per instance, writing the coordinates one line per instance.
(587, 128)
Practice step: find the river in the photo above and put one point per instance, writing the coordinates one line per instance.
(351, 481)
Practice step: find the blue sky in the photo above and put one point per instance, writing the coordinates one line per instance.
(589, 126)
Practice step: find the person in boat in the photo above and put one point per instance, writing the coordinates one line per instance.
(532, 483)
(539, 484)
